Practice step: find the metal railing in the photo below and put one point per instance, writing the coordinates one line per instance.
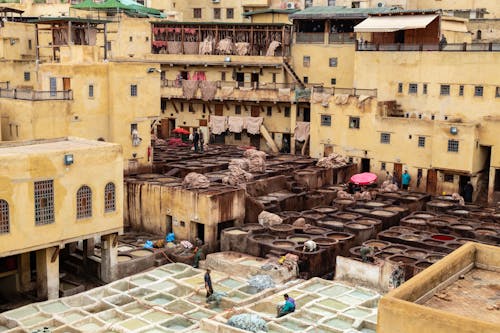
(236, 84)
(341, 38)
(460, 47)
(4, 85)
(310, 37)
(36, 95)
(346, 91)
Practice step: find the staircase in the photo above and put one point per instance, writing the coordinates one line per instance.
(292, 73)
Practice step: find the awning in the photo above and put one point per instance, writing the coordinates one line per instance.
(394, 23)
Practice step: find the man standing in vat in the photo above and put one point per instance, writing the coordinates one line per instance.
(208, 284)
(286, 308)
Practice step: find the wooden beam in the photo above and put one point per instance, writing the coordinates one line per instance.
(245, 107)
(226, 105)
(55, 254)
(209, 109)
(262, 109)
(279, 108)
(175, 106)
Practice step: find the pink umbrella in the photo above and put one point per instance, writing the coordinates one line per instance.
(365, 178)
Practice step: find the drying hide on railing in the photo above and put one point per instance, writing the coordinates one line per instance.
(284, 92)
(225, 46)
(226, 91)
(302, 130)
(208, 90)
(235, 124)
(341, 99)
(218, 124)
(362, 99)
(189, 88)
(253, 124)
(206, 47)
(272, 48)
(318, 97)
(242, 48)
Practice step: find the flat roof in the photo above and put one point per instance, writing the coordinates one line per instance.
(270, 11)
(474, 296)
(67, 19)
(50, 145)
(336, 12)
(218, 23)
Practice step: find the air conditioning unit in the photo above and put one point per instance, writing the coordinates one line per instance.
(380, 4)
(215, 1)
(290, 5)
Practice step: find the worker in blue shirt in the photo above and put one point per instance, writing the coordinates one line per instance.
(405, 180)
(286, 308)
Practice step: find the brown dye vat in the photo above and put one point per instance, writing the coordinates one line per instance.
(313, 218)
(362, 232)
(391, 236)
(141, 253)
(414, 253)
(335, 225)
(463, 230)
(377, 244)
(453, 245)
(299, 238)
(424, 215)
(345, 241)
(434, 257)
(403, 230)
(325, 210)
(124, 258)
(257, 244)
(316, 231)
(395, 249)
(439, 206)
(342, 204)
(485, 234)
(283, 244)
(383, 255)
(281, 230)
(423, 234)
(355, 252)
(420, 265)
(346, 216)
(377, 224)
(414, 222)
(313, 200)
(410, 239)
(407, 262)
(326, 242)
(458, 212)
(432, 244)
(374, 204)
(328, 195)
(289, 216)
(439, 226)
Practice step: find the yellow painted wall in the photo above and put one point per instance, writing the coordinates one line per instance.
(95, 165)
(185, 9)
(319, 70)
(15, 37)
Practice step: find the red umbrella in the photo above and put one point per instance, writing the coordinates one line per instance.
(180, 130)
(365, 178)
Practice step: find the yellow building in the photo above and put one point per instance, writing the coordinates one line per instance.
(56, 192)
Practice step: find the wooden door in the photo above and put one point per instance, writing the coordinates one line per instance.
(327, 150)
(397, 172)
(66, 83)
(255, 111)
(431, 181)
(202, 122)
(219, 109)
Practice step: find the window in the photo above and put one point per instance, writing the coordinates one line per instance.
(133, 90)
(130, 39)
(356, 4)
(306, 79)
(478, 91)
(83, 202)
(183, 224)
(308, 3)
(331, 3)
(412, 88)
(133, 127)
(216, 13)
(269, 111)
(53, 86)
(30, 44)
(424, 89)
(44, 202)
(326, 120)
(237, 136)
(351, 160)
(229, 13)
(223, 76)
(237, 109)
(197, 12)
(274, 78)
(461, 91)
(306, 61)
(453, 146)
(497, 92)
(445, 89)
(448, 178)
(108, 46)
(382, 166)
(4, 217)
(385, 138)
(333, 62)
(333, 81)
(353, 122)
(400, 86)
(109, 198)
(27, 76)
(287, 111)
(421, 141)
(91, 90)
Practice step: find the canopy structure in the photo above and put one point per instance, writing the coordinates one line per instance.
(180, 130)
(365, 178)
(394, 23)
(129, 7)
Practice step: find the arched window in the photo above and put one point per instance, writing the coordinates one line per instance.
(109, 198)
(4, 217)
(479, 34)
(83, 202)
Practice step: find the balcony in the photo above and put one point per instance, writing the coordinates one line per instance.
(346, 91)
(342, 38)
(309, 38)
(461, 47)
(228, 90)
(36, 95)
